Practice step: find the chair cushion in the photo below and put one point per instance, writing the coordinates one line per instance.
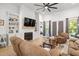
(65, 35)
(60, 39)
(55, 51)
(38, 41)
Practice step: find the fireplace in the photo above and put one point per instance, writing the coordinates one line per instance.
(28, 35)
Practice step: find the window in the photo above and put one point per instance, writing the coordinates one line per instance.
(73, 26)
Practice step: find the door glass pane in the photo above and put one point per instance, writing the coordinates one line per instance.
(46, 28)
(73, 26)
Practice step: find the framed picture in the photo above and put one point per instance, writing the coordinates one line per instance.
(1, 22)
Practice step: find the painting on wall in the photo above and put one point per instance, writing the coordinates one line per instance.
(1, 22)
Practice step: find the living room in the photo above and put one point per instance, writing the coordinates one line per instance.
(45, 28)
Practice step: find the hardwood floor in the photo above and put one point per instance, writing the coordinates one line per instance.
(7, 51)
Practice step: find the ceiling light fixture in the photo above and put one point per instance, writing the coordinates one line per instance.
(46, 7)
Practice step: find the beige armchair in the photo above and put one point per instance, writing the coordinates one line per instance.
(74, 48)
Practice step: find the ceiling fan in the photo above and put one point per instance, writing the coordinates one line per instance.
(46, 6)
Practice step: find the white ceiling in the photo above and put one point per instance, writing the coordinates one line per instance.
(61, 6)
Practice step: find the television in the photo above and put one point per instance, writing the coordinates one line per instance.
(29, 22)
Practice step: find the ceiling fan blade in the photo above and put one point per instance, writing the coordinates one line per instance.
(49, 10)
(47, 4)
(39, 8)
(38, 5)
(44, 4)
(53, 4)
(53, 7)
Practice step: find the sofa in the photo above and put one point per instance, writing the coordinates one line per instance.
(38, 41)
(26, 48)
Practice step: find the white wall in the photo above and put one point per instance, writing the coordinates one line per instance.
(4, 9)
(26, 12)
(22, 11)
